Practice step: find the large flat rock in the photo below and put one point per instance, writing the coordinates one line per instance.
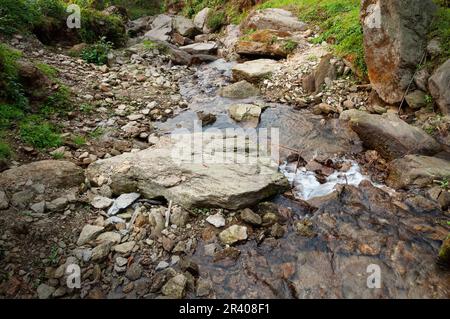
(417, 170)
(273, 18)
(389, 135)
(254, 71)
(162, 171)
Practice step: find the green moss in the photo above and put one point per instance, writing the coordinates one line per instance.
(5, 150)
(338, 20)
(39, 133)
(441, 29)
(48, 70)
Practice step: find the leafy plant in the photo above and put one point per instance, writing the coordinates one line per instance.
(290, 45)
(443, 183)
(39, 133)
(98, 52)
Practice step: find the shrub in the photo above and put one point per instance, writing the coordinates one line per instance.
(5, 150)
(290, 45)
(58, 102)
(441, 29)
(97, 53)
(40, 134)
(48, 70)
(8, 114)
(16, 16)
(216, 20)
(10, 88)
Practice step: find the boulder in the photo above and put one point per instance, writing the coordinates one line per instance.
(161, 28)
(417, 170)
(172, 170)
(139, 26)
(254, 71)
(395, 34)
(239, 90)
(200, 48)
(50, 173)
(201, 20)
(276, 19)
(439, 86)
(184, 26)
(231, 36)
(175, 287)
(389, 135)
(416, 99)
(88, 233)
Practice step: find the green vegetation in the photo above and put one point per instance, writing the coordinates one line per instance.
(39, 133)
(48, 70)
(5, 150)
(78, 140)
(97, 133)
(338, 20)
(152, 45)
(216, 20)
(444, 183)
(441, 29)
(97, 53)
(58, 155)
(139, 8)
(290, 45)
(58, 102)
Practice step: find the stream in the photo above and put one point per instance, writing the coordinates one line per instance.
(330, 248)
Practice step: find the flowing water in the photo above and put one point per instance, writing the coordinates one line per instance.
(357, 227)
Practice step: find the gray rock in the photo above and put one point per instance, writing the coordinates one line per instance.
(101, 251)
(109, 237)
(57, 205)
(421, 79)
(248, 216)
(101, 202)
(88, 233)
(239, 90)
(216, 220)
(210, 249)
(184, 26)
(45, 291)
(275, 19)
(124, 248)
(38, 208)
(134, 272)
(434, 47)
(162, 265)
(200, 48)
(201, 19)
(439, 85)
(50, 173)
(394, 39)
(248, 113)
(122, 202)
(390, 136)
(417, 170)
(163, 171)
(254, 71)
(4, 202)
(161, 28)
(179, 216)
(416, 99)
(175, 287)
(233, 234)
(22, 198)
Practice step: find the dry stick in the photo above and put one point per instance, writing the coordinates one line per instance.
(168, 214)
(410, 82)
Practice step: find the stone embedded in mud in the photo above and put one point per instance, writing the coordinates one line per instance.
(233, 234)
(111, 237)
(275, 19)
(416, 99)
(124, 248)
(248, 216)
(417, 170)
(439, 85)
(389, 135)
(50, 173)
(101, 251)
(88, 233)
(239, 90)
(185, 178)
(134, 272)
(395, 34)
(254, 71)
(101, 202)
(175, 287)
(45, 291)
